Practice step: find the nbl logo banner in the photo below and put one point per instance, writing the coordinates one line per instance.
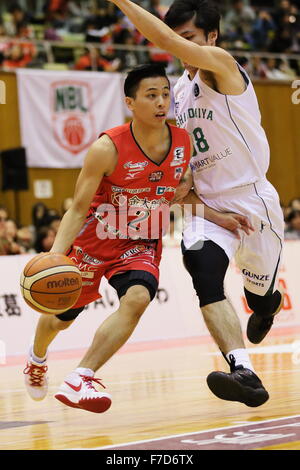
(62, 113)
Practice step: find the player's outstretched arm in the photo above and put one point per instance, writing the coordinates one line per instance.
(100, 160)
(211, 58)
(228, 220)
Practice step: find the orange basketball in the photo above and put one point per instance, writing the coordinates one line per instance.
(50, 283)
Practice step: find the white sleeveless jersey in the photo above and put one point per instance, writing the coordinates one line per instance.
(230, 145)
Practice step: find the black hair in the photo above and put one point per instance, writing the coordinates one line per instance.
(15, 7)
(136, 75)
(292, 215)
(207, 15)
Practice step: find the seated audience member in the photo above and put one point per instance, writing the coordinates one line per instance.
(92, 60)
(293, 225)
(39, 215)
(44, 239)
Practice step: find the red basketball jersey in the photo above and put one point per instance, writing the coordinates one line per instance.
(131, 202)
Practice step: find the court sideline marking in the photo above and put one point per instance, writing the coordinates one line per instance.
(172, 436)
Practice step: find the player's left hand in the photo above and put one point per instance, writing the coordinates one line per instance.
(235, 222)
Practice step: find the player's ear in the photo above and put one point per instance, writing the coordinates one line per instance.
(129, 103)
(212, 38)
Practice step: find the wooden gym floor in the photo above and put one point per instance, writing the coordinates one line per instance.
(160, 397)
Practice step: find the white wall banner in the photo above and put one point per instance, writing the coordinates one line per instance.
(62, 113)
(174, 313)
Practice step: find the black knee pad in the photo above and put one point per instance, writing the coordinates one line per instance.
(263, 305)
(70, 314)
(122, 282)
(207, 267)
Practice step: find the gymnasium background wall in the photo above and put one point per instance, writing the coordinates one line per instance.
(280, 118)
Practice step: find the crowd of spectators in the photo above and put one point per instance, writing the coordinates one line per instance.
(40, 234)
(292, 219)
(247, 25)
(34, 238)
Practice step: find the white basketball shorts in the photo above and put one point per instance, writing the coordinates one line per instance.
(258, 255)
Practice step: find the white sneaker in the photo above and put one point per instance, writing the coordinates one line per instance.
(36, 380)
(78, 391)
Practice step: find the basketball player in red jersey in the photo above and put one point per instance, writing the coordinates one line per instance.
(129, 174)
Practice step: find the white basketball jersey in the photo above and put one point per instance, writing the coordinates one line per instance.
(230, 145)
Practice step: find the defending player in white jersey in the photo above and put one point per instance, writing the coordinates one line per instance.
(215, 101)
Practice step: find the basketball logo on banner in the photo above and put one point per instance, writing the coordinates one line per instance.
(73, 121)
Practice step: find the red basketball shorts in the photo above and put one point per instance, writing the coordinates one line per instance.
(97, 258)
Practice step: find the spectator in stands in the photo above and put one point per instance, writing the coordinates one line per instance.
(25, 237)
(4, 243)
(55, 223)
(45, 239)
(157, 9)
(3, 213)
(54, 219)
(128, 58)
(79, 11)
(15, 58)
(80, 8)
(39, 215)
(263, 31)
(293, 225)
(95, 34)
(258, 68)
(8, 242)
(4, 46)
(275, 70)
(287, 19)
(281, 12)
(104, 14)
(56, 12)
(11, 229)
(92, 60)
(295, 203)
(17, 17)
(238, 22)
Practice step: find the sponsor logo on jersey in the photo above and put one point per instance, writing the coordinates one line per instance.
(196, 90)
(178, 157)
(135, 165)
(160, 190)
(91, 260)
(78, 250)
(176, 107)
(208, 162)
(118, 199)
(146, 203)
(134, 168)
(86, 258)
(136, 250)
(156, 176)
(178, 173)
(117, 189)
(87, 274)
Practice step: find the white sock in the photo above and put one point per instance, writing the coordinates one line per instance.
(36, 358)
(84, 371)
(241, 357)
